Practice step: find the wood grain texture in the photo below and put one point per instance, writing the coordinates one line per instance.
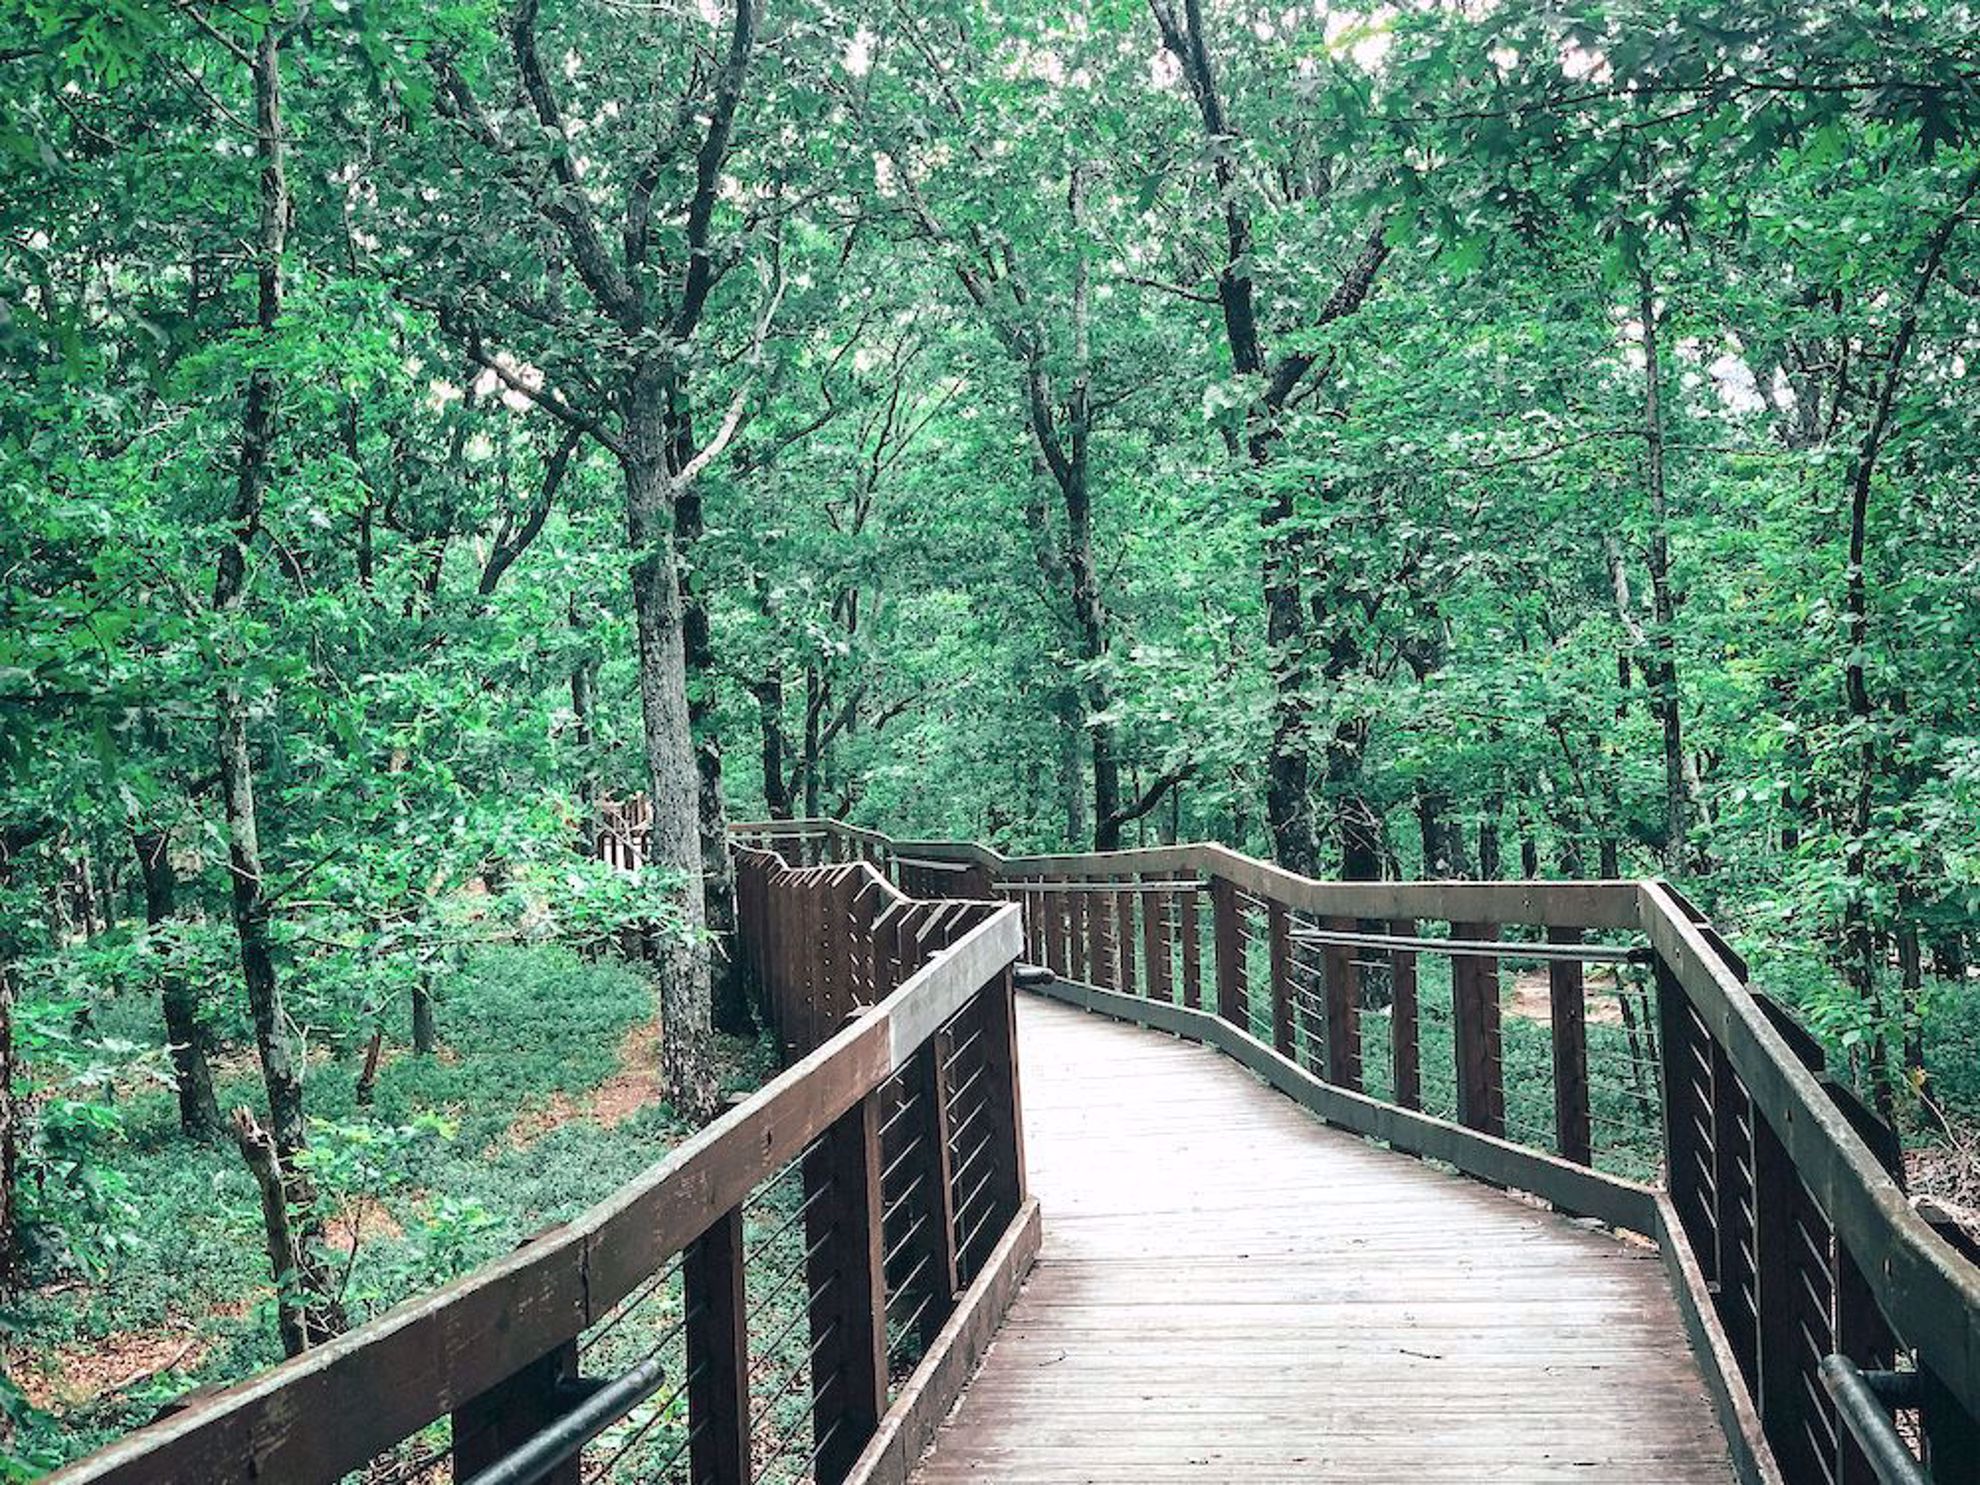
(1228, 1290)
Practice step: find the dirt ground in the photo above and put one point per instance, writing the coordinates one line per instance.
(1532, 1000)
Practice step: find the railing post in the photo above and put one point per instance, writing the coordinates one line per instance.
(513, 1411)
(1475, 1017)
(1123, 910)
(1863, 1335)
(1776, 1197)
(1082, 958)
(1155, 939)
(1278, 956)
(1189, 907)
(1688, 1119)
(1227, 944)
(1952, 1435)
(1096, 916)
(717, 1353)
(1340, 982)
(1733, 1118)
(938, 1182)
(1405, 1019)
(1000, 1062)
(1568, 1006)
(848, 1287)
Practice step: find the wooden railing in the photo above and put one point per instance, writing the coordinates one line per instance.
(1592, 1043)
(760, 1305)
(820, 944)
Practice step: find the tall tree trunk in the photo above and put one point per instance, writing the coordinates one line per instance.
(1860, 955)
(769, 693)
(1489, 863)
(1443, 844)
(814, 741)
(1073, 467)
(1911, 980)
(1664, 670)
(199, 1112)
(687, 1067)
(1949, 955)
(10, 1125)
(322, 1314)
(584, 711)
(1072, 764)
(729, 1000)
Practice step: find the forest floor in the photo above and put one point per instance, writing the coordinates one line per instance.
(541, 1100)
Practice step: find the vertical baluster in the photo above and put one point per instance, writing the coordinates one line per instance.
(717, 1353)
(1099, 937)
(1405, 1020)
(1864, 1336)
(1155, 938)
(1035, 920)
(1343, 1008)
(1189, 904)
(1568, 1014)
(1078, 937)
(1687, 1122)
(848, 1287)
(1227, 943)
(1475, 1015)
(998, 1000)
(1056, 957)
(1732, 1184)
(514, 1410)
(1123, 906)
(937, 1236)
(1952, 1434)
(1278, 948)
(1777, 1195)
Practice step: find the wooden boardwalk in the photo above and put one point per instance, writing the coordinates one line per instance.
(1230, 1291)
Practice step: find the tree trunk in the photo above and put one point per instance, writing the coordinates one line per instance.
(425, 1030)
(285, 1244)
(1949, 955)
(1443, 844)
(1664, 671)
(322, 1315)
(1860, 954)
(1489, 864)
(769, 693)
(10, 1130)
(1911, 973)
(199, 1112)
(584, 710)
(729, 1001)
(687, 1068)
(814, 742)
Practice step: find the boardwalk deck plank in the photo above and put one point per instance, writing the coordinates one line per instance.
(1229, 1291)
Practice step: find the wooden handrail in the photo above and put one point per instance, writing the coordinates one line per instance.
(496, 1343)
(1776, 1199)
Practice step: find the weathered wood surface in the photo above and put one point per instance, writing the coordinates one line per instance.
(1230, 1291)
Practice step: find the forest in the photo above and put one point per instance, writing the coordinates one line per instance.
(1439, 438)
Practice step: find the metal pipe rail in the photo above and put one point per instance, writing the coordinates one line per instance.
(1479, 948)
(1864, 1400)
(600, 1404)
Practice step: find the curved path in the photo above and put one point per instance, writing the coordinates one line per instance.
(1230, 1291)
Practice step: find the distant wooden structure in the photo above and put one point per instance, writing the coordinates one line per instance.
(1682, 1253)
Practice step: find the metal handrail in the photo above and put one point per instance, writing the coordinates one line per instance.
(604, 1403)
(1863, 1402)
